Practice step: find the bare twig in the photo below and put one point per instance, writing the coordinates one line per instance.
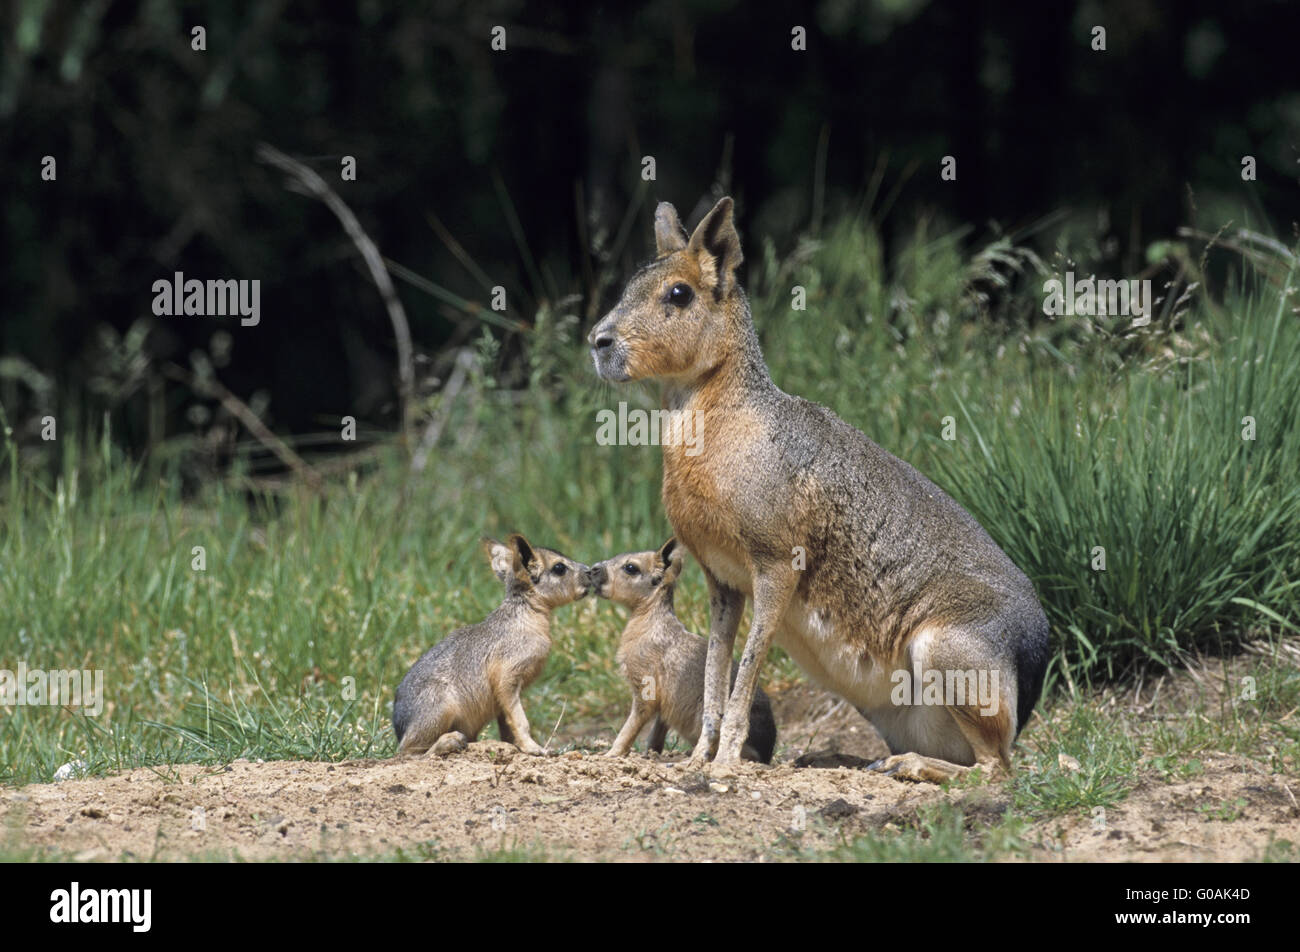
(563, 707)
(331, 467)
(312, 184)
(211, 387)
(1248, 244)
(1295, 807)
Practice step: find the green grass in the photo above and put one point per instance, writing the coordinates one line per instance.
(1198, 525)
(1107, 753)
(290, 641)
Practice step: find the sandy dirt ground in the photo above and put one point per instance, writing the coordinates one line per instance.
(584, 806)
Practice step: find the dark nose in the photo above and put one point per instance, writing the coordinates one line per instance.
(596, 575)
(598, 336)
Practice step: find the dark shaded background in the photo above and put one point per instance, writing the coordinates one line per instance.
(156, 170)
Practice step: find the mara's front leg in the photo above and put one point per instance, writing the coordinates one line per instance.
(774, 585)
(636, 720)
(725, 607)
(512, 712)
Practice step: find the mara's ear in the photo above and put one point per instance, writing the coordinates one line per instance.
(716, 248)
(670, 236)
(525, 564)
(500, 558)
(668, 562)
(665, 553)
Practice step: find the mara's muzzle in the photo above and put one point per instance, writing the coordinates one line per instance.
(608, 353)
(596, 579)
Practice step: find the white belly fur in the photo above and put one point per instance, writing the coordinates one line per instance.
(868, 684)
(809, 636)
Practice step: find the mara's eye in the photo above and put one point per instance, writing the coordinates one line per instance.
(680, 295)
(631, 569)
(559, 569)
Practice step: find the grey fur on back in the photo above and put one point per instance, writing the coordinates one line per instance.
(904, 558)
(423, 674)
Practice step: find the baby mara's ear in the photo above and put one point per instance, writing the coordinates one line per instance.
(525, 563)
(500, 558)
(667, 563)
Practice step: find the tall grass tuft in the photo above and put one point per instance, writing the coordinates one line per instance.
(1157, 509)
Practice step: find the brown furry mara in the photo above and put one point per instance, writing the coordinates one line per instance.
(663, 662)
(479, 673)
(877, 583)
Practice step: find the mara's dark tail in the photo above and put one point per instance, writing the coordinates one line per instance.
(1031, 667)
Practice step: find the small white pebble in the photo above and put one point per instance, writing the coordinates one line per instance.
(718, 787)
(74, 769)
(755, 795)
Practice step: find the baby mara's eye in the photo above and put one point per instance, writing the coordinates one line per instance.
(680, 295)
(631, 569)
(559, 569)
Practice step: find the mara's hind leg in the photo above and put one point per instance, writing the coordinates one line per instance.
(989, 734)
(919, 768)
(423, 734)
(961, 713)
(658, 735)
(503, 728)
(449, 743)
(442, 732)
(441, 718)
